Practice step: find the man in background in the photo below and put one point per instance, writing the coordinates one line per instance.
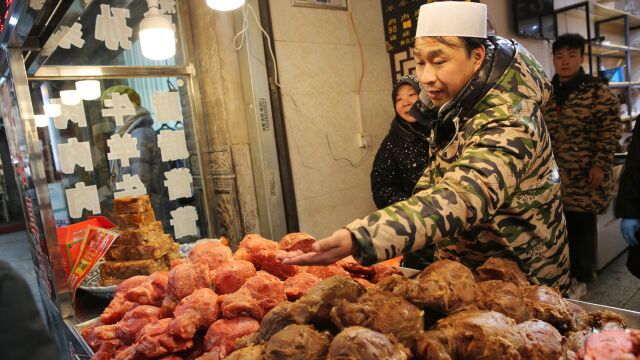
(584, 124)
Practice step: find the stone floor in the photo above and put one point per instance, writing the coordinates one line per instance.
(615, 286)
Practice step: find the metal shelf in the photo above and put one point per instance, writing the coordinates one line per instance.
(624, 84)
(605, 12)
(603, 49)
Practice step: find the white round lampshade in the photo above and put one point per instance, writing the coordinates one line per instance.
(41, 120)
(70, 97)
(225, 5)
(52, 110)
(157, 36)
(88, 89)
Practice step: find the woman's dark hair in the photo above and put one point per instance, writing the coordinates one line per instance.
(470, 43)
(569, 41)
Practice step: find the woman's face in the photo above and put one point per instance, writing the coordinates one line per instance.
(406, 96)
(444, 70)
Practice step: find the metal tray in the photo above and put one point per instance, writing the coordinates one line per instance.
(631, 318)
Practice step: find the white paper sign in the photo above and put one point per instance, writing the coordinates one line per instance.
(75, 153)
(74, 113)
(118, 107)
(122, 148)
(130, 186)
(184, 221)
(166, 105)
(179, 183)
(167, 6)
(82, 197)
(111, 27)
(72, 36)
(173, 145)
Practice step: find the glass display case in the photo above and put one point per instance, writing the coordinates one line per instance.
(89, 118)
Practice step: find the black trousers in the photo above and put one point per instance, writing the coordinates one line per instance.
(581, 231)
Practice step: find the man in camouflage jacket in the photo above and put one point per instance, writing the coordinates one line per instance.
(492, 187)
(584, 124)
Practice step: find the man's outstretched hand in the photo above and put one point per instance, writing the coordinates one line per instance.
(324, 252)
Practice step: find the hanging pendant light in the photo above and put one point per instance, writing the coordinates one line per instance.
(88, 89)
(52, 110)
(157, 35)
(225, 5)
(70, 97)
(41, 120)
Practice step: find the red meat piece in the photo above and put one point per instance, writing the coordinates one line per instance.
(297, 242)
(240, 304)
(212, 254)
(134, 321)
(155, 340)
(150, 292)
(195, 312)
(326, 271)
(224, 333)
(184, 279)
(231, 276)
(267, 261)
(299, 284)
(267, 289)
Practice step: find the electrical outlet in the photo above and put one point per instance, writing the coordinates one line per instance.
(363, 140)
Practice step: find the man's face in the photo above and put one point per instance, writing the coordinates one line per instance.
(444, 70)
(406, 96)
(567, 62)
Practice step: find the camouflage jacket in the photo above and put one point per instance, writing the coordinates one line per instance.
(584, 132)
(492, 188)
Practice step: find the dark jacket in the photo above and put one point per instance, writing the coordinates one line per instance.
(24, 335)
(149, 166)
(628, 200)
(401, 158)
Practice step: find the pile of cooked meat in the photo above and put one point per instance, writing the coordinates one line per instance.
(212, 298)
(247, 305)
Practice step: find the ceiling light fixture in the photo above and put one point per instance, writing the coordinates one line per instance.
(157, 34)
(88, 89)
(225, 5)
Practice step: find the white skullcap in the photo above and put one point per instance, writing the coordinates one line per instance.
(453, 18)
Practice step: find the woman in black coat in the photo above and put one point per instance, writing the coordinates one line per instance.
(628, 201)
(404, 152)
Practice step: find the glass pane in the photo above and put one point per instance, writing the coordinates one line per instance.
(133, 132)
(119, 34)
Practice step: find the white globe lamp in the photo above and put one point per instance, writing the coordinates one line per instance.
(157, 35)
(225, 5)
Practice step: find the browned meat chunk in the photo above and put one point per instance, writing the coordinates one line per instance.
(541, 341)
(301, 342)
(365, 344)
(502, 269)
(503, 297)
(383, 312)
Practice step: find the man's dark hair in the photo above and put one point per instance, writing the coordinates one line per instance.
(470, 43)
(569, 41)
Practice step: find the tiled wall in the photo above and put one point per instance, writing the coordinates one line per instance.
(319, 67)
